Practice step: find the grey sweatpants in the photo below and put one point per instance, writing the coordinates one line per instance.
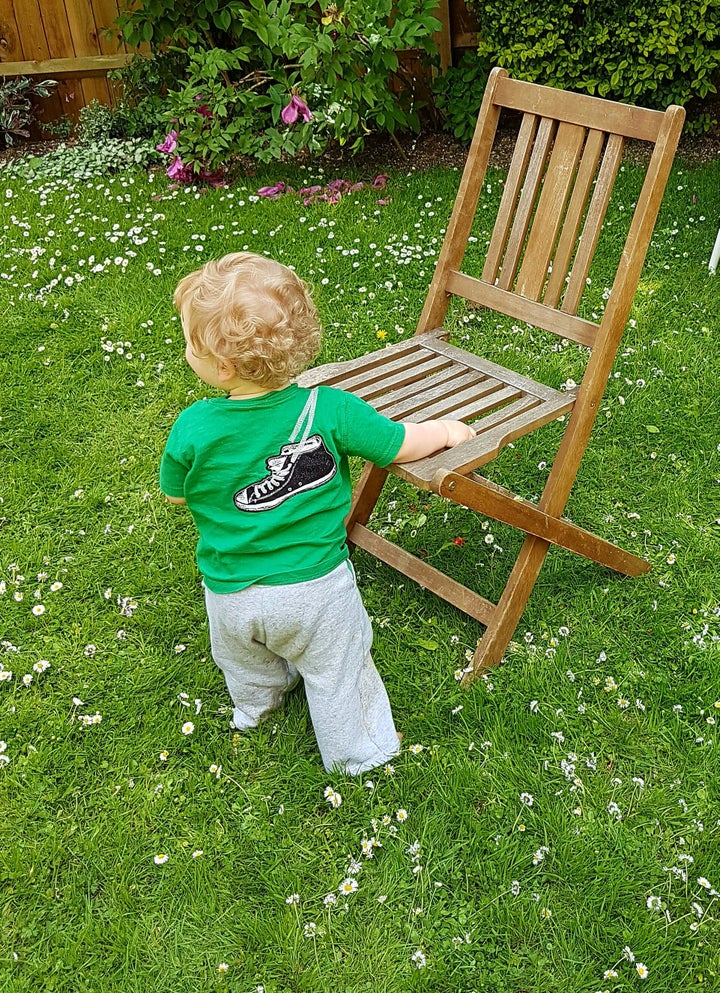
(263, 636)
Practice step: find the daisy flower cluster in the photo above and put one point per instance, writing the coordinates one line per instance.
(370, 844)
(703, 629)
(31, 590)
(332, 797)
(628, 956)
(12, 653)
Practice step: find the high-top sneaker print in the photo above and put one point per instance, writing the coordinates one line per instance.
(302, 466)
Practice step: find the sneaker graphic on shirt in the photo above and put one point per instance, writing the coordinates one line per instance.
(298, 467)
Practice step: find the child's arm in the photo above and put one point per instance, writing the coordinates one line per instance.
(178, 500)
(430, 437)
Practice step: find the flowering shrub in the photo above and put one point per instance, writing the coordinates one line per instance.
(268, 78)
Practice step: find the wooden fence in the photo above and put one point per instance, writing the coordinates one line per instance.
(74, 42)
(67, 40)
(459, 31)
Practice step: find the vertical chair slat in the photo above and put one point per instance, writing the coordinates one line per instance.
(521, 222)
(574, 216)
(551, 205)
(593, 223)
(513, 184)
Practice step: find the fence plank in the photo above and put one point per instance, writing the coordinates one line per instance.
(85, 42)
(83, 65)
(9, 36)
(57, 32)
(106, 13)
(34, 45)
(443, 36)
(36, 32)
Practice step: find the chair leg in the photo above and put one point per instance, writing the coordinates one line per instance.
(510, 606)
(365, 495)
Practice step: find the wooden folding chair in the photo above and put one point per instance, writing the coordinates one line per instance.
(568, 151)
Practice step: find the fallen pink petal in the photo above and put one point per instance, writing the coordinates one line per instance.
(380, 181)
(272, 192)
(332, 193)
(216, 178)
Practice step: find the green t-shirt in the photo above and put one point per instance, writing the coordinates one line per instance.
(267, 480)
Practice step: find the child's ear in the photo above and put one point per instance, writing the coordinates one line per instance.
(226, 370)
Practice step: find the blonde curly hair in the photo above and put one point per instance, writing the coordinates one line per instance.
(253, 312)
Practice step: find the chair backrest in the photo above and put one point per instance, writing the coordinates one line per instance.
(567, 155)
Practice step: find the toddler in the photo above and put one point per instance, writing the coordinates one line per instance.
(264, 472)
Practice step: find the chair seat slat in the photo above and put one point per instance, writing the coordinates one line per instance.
(416, 373)
(498, 372)
(494, 432)
(478, 406)
(402, 403)
(332, 373)
(466, 404)
(363, 377)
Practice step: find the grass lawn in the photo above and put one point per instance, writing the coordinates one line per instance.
(556, 828)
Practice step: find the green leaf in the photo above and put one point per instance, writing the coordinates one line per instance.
(430, 646)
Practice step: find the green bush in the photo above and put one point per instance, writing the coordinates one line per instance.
(635, 51)
(253, 63)
(96, 123)
(145, 84)
(16, 106)
(459, 92)
(81, 162)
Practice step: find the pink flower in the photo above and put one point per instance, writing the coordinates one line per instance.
(203, 109)
(296, 108)
(170, 143)
(179, 171)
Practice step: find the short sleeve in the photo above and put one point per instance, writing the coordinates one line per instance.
(174, 464)
(370, 435)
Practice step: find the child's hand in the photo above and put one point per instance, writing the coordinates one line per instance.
(429, 437)
(458, 432)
